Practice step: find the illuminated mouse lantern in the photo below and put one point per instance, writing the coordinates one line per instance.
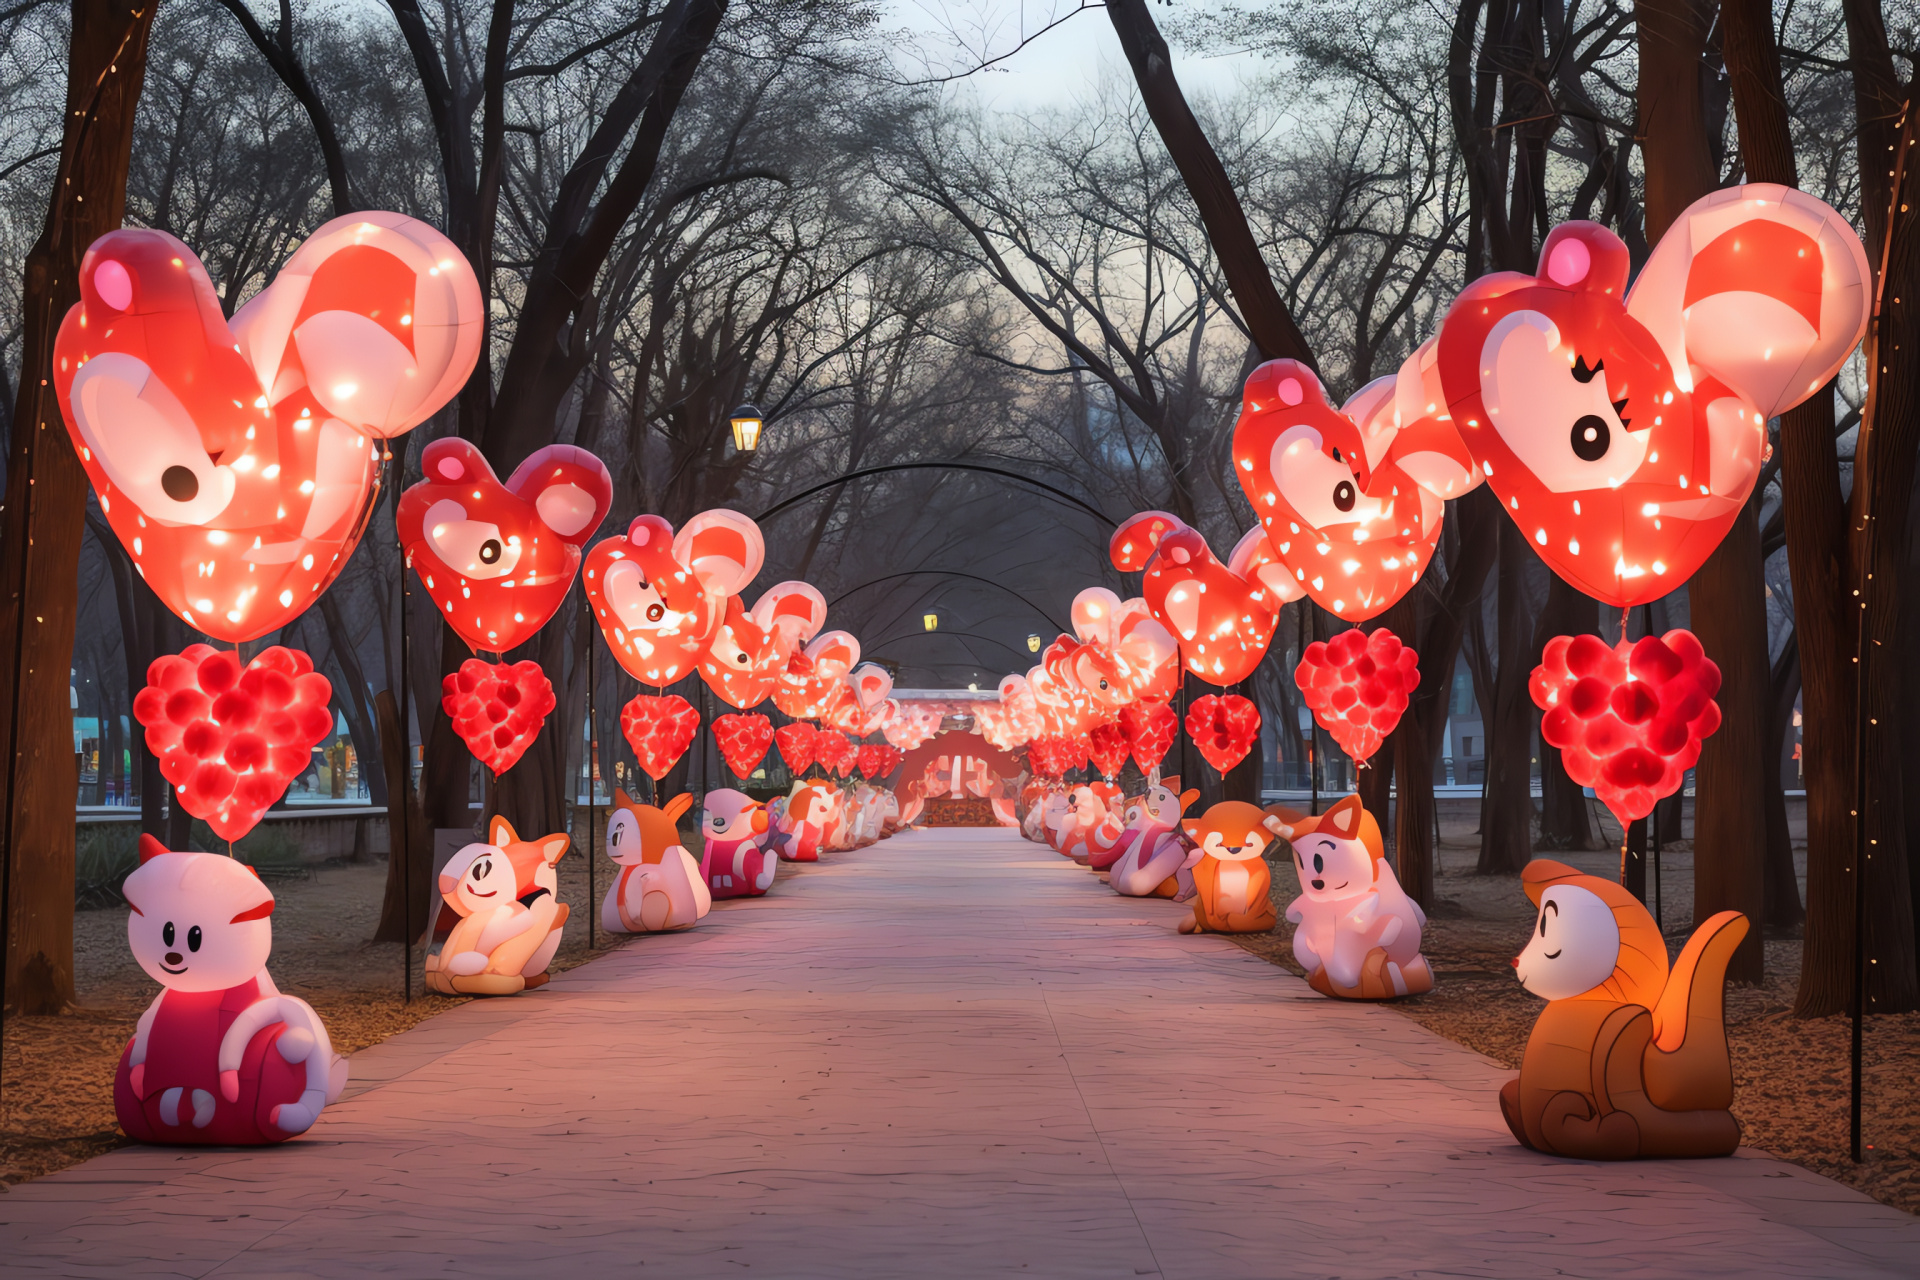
(1628, 1060)
(1353, 528)
(498, 559)
(1222, 615)
(220, 1057)
(660, 597)
(1123, 654)
(1623, 430)
(237, 461)
(753, 648)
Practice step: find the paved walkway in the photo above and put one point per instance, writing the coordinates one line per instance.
(949, 1055)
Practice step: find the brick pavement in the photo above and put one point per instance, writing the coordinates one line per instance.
(952, 1054)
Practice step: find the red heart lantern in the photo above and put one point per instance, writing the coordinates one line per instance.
(1225, 727)
(1221, 619)
(1628, 720)
(1355, 530)
(659, 597)
(873, 761)
(1150, 728)
(1040, 757)
(1109, 748)
(230, 740)
(1357, 685)
(236, 461)
(743, 741)
(497, 708)
(796, 745)
(1624, 430)
(498, 559)
(834, 751)
(659, 729)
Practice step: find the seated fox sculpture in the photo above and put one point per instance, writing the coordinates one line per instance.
(1628, 1060)
(659, 886)
(1232, 886)
(1357, 933)
(502, 913)
(220, 1057)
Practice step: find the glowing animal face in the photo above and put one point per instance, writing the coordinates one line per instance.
(733, 815)
(198, 921)
(659, 597)
(1221, 620)
(480, 877)
(1332, 868)
(1575, 944)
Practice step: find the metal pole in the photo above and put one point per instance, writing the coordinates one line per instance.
(593, 746)
(406, 738)
(1310, 626)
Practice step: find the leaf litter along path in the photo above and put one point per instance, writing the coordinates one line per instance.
(951, 1054)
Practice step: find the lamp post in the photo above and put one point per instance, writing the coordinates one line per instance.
(746, 423)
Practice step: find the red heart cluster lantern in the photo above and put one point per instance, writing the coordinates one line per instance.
(229, 739)
(659, 729)
(1109, 748)
(1224, 727)
(1150, 728)
(497, 708)
(1221, 617)
(835, 751)
(498, 559)
(660, 597)
(872, 761)
(796, 745)
(1623, 430)
(1357, 685)
(743, 741)
(1628, 719)
(237, 461)
(1355, 530)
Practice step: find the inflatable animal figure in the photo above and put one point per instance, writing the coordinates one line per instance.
(659, 886)
(889, 814)
(1057, 817)
(503, 912)
(1095, 827)
(220, 1057)
(1230, 880)
(1358, 934)
(737, 863)
(1033, 823)
(1120, 811)
(871, 818)
(803, 825)
(1152, 861)
(1627, 1061)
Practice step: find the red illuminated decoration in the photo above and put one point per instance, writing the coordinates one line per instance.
(814, 683)
(796, 745)
(228, 739)
(1123, 654)
(1357, 686)
(1353, 528)
(1224, 728)
(1109, 748)
(1628, 719)
(659, 729)
(1150, 728)
(743, 741)
(498, 559)
(237, 462)
(913, 725)
(660, 597)
(1624, 430)
(873, 761)
(1221, 617)
(754, 651)
(497, 708)
(834, 751)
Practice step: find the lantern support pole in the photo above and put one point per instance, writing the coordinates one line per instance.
(404, 840)
(593, 796)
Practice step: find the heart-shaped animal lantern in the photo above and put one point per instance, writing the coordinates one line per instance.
(835, 751)
(1150, 728)
(1353, 528)
(743, 741)
(498, 559)
(793, 613)
(877, 719)
(497, 708)
(1224, 727)
(1065, 708)
(743, 662)
(796, 745)
(913, 725)
(659, 596)
(1423, 442)
(230, 740)
(1124, 654)
(237, 461)
(1624, 430)
(659, 729)
(991, 723)
(1357, 685)
(1628, 719)
(1022, 711)
(1221, 620)
(1109, 748)
(873, 761)
(872, 685)
(815, 679)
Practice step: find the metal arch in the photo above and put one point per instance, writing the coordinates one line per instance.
(950, 573)
(1042, 485)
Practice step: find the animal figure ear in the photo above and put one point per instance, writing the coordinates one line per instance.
(569, 488)
(1345, 817)
(621, 799)
(150, 848)
(1585, 257)
(500, 833)
(260, 912)
(1188, 796)
(723, 549)
(677, 806)
(554, 847)
(1135, 541)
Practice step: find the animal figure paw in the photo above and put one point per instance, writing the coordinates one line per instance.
(466, 964)
(136, 1078)
(230, 1085)
(203, 1105)
(295, 1046)
(298, 1117)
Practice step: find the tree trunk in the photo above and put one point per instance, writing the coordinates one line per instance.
(1783, 912)
(1565, 820)
(1506, 812)
(46, 501)
(409, 891)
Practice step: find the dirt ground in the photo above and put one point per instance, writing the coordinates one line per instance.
(1791, 1075)
(56, 1108)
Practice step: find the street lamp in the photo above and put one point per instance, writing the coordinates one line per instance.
(746, 422)
(931, 621)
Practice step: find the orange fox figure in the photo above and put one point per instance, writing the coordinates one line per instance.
(1230, 879)
(1358, 934)
(659, 886)
(1626, 1061)
(503, 913)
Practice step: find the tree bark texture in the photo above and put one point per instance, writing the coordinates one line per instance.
(1506, 815)
(46, 502)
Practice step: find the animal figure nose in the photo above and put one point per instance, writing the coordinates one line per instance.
(174, 958)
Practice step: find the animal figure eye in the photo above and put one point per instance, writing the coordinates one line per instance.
(193, 938)
(1343, 495)
(490, 551)
(1581, 373)
(166, 933)
(1591, 438)
(655, 612)
(480, 870)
